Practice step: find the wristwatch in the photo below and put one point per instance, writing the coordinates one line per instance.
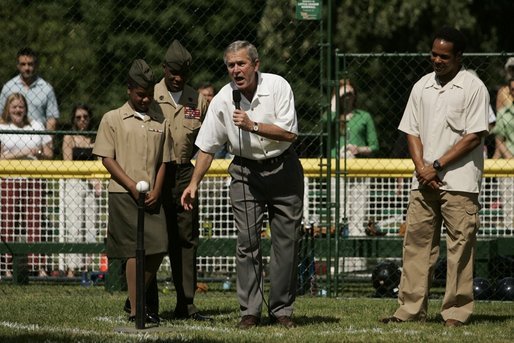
(255, 127)
(437, 165)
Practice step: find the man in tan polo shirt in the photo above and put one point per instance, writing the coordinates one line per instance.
(446, 121)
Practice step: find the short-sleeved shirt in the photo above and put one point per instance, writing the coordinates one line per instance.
(14, 143)
(40, 96)
(184, 118)
(440, 116)
(138, 145)
(273, 103)
(504, 127)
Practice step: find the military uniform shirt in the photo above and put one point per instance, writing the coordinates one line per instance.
(138, 145)
(184, 119)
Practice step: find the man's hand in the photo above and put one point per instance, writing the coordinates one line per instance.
(188, 197)
(427, 176)
(242, 120)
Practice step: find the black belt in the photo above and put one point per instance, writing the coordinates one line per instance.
(267, 161)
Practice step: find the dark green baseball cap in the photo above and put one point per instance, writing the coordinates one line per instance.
(177, 58)
(141, 73)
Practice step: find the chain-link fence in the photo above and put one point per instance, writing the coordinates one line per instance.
(366, 202)
(354, 207)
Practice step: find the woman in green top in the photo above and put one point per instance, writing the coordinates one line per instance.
(357, 125)
(357, 138)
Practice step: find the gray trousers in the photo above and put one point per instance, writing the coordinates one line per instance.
(277, 188)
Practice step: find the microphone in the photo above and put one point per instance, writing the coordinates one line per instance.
(236, 96)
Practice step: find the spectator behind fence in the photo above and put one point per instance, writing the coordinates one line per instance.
(356, 127)
(134, 145)
(260, 124)
(21, 197)
(22, 146)
(185, 109)
(207, 91)
(39, 93)
(446, 120)
(357, 138)
(79, 195)
(504, 97)
(504, 131)
(489, 144)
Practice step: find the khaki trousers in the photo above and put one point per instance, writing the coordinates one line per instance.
(428, 209)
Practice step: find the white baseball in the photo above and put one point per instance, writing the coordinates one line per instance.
(142, 186)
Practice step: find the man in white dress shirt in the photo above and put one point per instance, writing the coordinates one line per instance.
(255, 115)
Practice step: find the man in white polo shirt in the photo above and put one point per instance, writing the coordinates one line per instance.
(255, 116)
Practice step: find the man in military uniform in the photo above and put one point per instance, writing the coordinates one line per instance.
(185, 109)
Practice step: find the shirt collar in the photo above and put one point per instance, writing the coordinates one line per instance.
(127, 112)
(262, 88)
(457, 81)
(19, 80)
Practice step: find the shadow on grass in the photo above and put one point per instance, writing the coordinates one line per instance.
(60, 338)
(216, 313)
(481, 318)
(312, 320)
(212, 313)
(476, 319)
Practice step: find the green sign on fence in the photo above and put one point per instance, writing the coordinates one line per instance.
(308, 10)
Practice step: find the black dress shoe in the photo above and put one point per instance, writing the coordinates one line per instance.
(127, 307)
(151, 318)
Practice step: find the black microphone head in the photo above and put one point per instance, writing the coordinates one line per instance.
(236, 96)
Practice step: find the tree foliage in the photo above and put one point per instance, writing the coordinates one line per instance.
(408, 25)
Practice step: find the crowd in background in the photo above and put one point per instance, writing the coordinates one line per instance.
(39, 111)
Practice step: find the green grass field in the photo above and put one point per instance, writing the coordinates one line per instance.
(70, 313)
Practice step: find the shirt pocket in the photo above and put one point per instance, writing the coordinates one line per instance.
(155, 135)
(192, 124)
(455, 119)
(473, 212)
